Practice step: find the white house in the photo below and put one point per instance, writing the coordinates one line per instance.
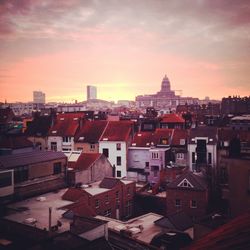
(114, 144)
(202, 148)
(61, 134)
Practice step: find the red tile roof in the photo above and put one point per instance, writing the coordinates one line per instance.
(73, 194)
(85, 160)
(91, 131)
(172, 118)
(117, 131)
(145, 139)
(232, 235)
(66, 124)
(178, 135)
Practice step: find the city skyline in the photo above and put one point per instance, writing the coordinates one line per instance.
(123, 48)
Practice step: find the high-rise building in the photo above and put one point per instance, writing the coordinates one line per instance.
(91, 92)
(38, 97)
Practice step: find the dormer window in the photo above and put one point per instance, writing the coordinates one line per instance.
(105, 139)
(62, 119)
(185, 183)
(182, 141)
(54, 131)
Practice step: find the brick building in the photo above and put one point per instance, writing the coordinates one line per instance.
(111, 198)
(189, 193)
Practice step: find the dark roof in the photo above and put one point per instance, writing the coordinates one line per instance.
(209, 132)
(172, 118)
(117, 131)
(66, 124)
(108, 182)
(232, 235)
(178, 221)
(198, 182)
(14, 142)
(6, 115)
(85, 160)
(146, 139)
(33, 157)
(73, 194)
(178, 135)
(39, 126)
(227, 134)
(91, 131)
(82, 224)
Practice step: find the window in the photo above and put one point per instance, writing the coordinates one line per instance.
(5, 179)
(193, 204)
(177, 202)
(155, 170)
(155, 155)
(92, 146)
(118, 146)
(106, 198)
(21, 174)
(53, 146)
(79, 149)
(66, 139)
(118, 161)
(129, 207)
(193, 157)
(164, 141)
(223, 175)
(147, 164)
(118, 173)
(128, 190)
(107, 213)
(180, 156)
(209, 158)
(97, 203)
(185, 183)
(57, 168)
(117, 196)
(105, 151)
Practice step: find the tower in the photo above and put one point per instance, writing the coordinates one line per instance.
(91, 92)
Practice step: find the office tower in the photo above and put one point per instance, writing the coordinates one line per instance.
(38, 97)
(91, 92)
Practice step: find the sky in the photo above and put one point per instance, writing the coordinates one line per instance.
(124, 48)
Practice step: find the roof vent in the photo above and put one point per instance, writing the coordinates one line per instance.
(210, 139)
(75, 118)
(105, 139)
(62, 119)
(54, 131)
(139, 135)
(182, 141)
(133, 144)
(41, 198)
(30, 221)
(81, 138)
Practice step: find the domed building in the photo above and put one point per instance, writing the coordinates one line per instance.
(164, 99)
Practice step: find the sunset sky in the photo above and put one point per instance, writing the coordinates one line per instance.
(124, 48)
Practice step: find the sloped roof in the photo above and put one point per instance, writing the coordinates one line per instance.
(85, 160)
(145, 139)
(178, 135)
(232, 235)
(109, 182)
(39, 126)
(209, 132)
(14, 142)
(197, 181)
(73, 194)
(172, 118)
(91, 131)
(33, 157)
(178, 221)
(66, 124)
(117, 131)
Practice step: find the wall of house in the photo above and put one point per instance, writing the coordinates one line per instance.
(43, 141)
(186, 196)
(86, 147)
(95, 233)
(56, 139)
(100, 169)
(113, 153)
(137, 157)
(45, 168)
(5, 188)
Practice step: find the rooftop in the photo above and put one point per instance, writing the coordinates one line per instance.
(22, 159)
(145, 221)
(35, 211)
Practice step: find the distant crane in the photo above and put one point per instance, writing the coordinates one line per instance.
(179, 90)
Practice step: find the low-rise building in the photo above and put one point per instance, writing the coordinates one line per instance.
(188, 193)
(33, 172)
(88, 168)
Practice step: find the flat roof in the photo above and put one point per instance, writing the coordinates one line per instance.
(146, 221)
(36, 210)
(126, 181)
(96, 190)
